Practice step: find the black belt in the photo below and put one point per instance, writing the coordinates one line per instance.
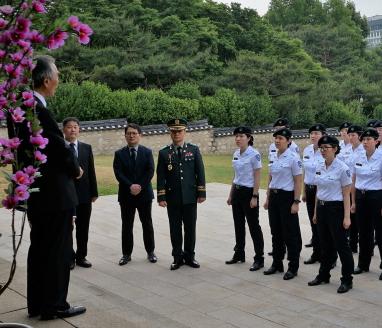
(310, 186)
(329, 202)
(364, 191)
(238, 187)
(277, 191)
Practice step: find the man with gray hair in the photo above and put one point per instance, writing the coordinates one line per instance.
(50, 211)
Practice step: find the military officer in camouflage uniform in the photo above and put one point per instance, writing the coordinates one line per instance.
(181, 185)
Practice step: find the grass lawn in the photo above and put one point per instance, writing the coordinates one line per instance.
(218, 169)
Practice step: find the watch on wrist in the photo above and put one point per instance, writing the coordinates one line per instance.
(297, 201)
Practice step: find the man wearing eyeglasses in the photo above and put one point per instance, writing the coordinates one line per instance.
(181, 185)
(134, 168)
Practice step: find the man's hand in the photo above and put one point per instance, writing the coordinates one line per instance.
(81, 173)
(163, 203)
(201, 199)
(135, 189)
(94, 199)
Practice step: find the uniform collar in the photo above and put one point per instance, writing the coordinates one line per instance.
(40, 97)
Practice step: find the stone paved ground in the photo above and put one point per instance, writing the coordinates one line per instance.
(142, 294)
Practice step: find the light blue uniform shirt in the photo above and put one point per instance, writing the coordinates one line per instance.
(331, 180)
(272, 153)
(310, 160)
(244, 164)
(345, 152)
(282, 170)
(368, 173)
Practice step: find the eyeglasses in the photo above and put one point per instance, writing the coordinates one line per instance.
(325, 148)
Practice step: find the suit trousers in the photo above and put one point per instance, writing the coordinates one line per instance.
(127, 214)
(310, 191)
(241, 211)
(334, 238)
(368, 211)
(185, 215)
(354, 231)
(285, 228)
(49, 259)
(83, 213)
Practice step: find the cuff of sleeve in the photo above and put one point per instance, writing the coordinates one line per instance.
(161, 195)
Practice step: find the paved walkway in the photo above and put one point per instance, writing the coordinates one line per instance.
(142, 294)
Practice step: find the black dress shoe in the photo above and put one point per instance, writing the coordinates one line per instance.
(380, 277)
(318, 281)
(124, 259)
(344, 287)
(71, 312)
(359, 270)
(236, 259)
(72, 265)
(192, 263)
(311, 260)
(289, 275)
(83, 263)
(176, 265)
(273, 270)
(152, 257)
(256, 266)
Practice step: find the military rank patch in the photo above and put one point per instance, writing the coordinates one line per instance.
(348, 173)
(258, 157)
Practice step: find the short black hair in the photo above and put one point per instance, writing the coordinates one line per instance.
(70, 119)
(43, 70)
(133, 126)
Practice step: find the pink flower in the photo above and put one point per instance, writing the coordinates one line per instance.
(29, 102)
(18, 115)
(2, 115)
(27, 95)
(36, 37)
(3, 23)
(73, 22)
(2, 53)
(9, 202)
(24, 6)
(7, 156)
(38, 141)
(21, 192)
(30, 170)
(6, 10)
(21, 178)
(24, 44)
(3, 102)
(13, 143)
(84, 31)
(57, 39)
(40, 157)
(17, 56)
(23, 24)
(12, 70)
(38, 7)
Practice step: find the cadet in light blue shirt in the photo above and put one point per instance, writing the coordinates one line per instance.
(332, 214)
(244, 197)
(310, 159)
(345, 145)
(283, 198)
(367, 199)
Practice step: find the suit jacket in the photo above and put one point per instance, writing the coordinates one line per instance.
(127, 175)
(57, 191)
(180, 180)
(86, 186)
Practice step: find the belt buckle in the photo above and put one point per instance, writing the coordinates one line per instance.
(321, 202)
(363, 191)
(275, 191)
(237, 187)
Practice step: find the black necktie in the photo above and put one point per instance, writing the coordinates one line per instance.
(73, 148)
(180, 153)
(132, 156)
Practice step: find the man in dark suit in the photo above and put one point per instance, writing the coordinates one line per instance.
(86, 188)
(50, 210)
(134, 168)
(181, 185)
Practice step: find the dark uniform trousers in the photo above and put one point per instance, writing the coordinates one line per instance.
(368, 210)
(128, 210)
(310, 192)
(333, 238)
(49, 259)
(285, 228)
(185, 214)
(83, 213)
(354, 231)
(241, 211)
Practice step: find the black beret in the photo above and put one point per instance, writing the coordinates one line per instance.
(285, 132)
(371, 123)
(369, 132)
(328, 140)
(317, 127)
(378, 124)
(242, 129)
(177, 124)
(281, 122)
(355, 129)
(344, 125)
